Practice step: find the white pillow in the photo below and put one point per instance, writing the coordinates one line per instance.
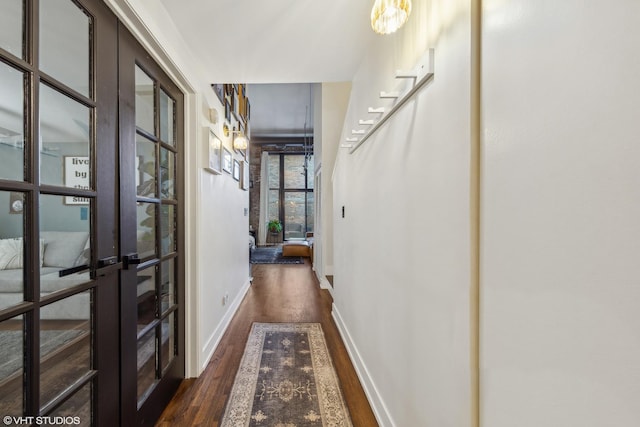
(63, 247)
(11, 253)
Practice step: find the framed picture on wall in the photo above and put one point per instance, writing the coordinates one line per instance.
(226, 160)
(236, 170)
(215, 154)
(218, 89)
(245, 175)
(227, 109)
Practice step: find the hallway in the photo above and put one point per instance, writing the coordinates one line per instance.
(280, 293)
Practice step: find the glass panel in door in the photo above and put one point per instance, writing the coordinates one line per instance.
(64, 44)
(78, 407)
(167, 118)
(65, 344)
(12, 337)
(12, 27)
(12, 83)
(65, 140)
(145, 101)
(12, 247)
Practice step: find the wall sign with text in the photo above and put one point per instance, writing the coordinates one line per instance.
(76, 175)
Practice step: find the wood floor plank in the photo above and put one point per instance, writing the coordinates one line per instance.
(279, 293)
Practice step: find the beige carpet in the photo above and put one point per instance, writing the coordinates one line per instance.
(286, 379)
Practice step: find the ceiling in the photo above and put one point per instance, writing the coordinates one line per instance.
(272, 43)
(281, 111)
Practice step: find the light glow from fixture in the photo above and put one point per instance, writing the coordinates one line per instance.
(387, 16)
(240, 141)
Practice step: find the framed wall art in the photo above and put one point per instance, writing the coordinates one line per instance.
(236, 170)
(76, 175)
(218, 89)
(226, 160)
(245, 175)
(215, 154)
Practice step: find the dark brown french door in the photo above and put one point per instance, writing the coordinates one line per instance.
(89, 333)
(58, 251)
(152, 297)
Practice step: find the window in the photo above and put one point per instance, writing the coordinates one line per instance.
(291, 193)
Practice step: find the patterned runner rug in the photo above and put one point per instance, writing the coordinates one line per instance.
(286, 379)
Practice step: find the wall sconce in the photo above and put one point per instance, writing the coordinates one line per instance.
(240, 142)
(387, 16)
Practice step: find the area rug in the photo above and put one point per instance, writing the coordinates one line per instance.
(286, 379)
(272, 255)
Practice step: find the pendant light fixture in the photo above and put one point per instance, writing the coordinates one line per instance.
(387, 16)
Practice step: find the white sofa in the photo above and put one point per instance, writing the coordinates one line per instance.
(59, 250)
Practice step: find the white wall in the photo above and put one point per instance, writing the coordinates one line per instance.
(402, 251)
(560, 214)
(217, 255)
(335, 100)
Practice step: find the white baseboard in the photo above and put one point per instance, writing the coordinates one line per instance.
(328, 270)
(375, 400)
(324, 283)
(213, 341)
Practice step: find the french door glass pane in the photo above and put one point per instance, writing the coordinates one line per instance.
(12, 249)
(64, 131)
(65, 344)
(294, 215)
(146, 165)
(146, 362)
(168, 229)
(11, 27)
(64, 43)
(274, 171)
(146, 220)
(145, 111)
(294, 174)
(146, 293)
(11, 368)
(11, 122)
(167, 107)
(168, 340)
(167, 174)
(78, 407)
(64, 231)
(168, 285)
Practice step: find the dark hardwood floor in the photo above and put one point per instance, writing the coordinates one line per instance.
(280, 293)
